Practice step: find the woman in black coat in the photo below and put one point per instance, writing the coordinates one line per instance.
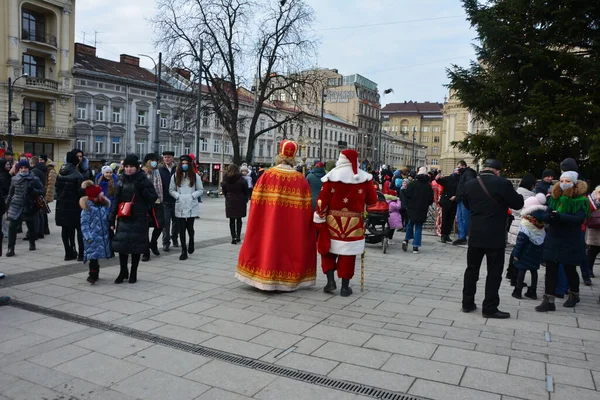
(449, 183)
(419, 196)
(68, 212)
(235, 189)
(131, 236)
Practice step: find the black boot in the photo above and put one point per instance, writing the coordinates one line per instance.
(10, 252)
(92, 276)
(31, 246)
(190, 248)
(346, 289)
(175, 242)
(238, 233)
(1, 242)
(70, 254)
(331, 286)
(184, 253)
(443, 239)
(133, 274)
(123, 274)
(546, 305)
(531, 294)
(517, 292)
(572, 300)
(146, 256)
(154, 248)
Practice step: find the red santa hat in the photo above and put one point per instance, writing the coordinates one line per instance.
(349, 157)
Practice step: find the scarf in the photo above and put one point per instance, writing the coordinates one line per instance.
(535, 234)
(157, 182)
(570, 205)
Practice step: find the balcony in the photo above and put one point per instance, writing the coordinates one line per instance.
(39, 37)
(42, 83)
(52, 132)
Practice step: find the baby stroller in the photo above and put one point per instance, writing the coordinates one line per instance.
(376, 224)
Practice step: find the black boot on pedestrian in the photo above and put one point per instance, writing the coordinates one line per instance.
(93, 276)
(517, 293)
(175, 242)
(133, 274)
(443, 239)
(190, 248)
(346, 290)
(546, 305)
(154, 248)
(497, 315)
(70, 254)
(146, 257)
(572, 300)
(10, 252)
(531, 294)
(1, 242)
(79, 255)
(331, 286)
(184, 253)
(123, 274)
(167, 247)
(31, 246)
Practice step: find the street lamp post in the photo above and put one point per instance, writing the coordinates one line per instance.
(323, 96)
(158, 81)
(198, 111)
(414, 138)
(11, 118)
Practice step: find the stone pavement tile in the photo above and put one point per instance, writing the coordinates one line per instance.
(155, 385)
(308, 345)
(332, 333)
(380, 331)
(442, 341)
(125, 306)
(587, 323)
(282, 387)
(24, 390)
(79, 309)
(419, 331)
(231, 314)
(442, 391)
(172, 361)
(113, 344)
(58, 356)
(352, 354)
(220, 394)
(109, 316)
(404, 308)
(52, 327)
(231, 377)
(547, 350)
(145, 325)
(160, 300)
(9, 333)
(6, 381)
(277, 339)
(187, 320)
(79, 389)
(478, 325)
(373, 377)
(355, 321)
(426, 369)
(473, 359)
(527, 368)
(180, 333)
(443, 305)
(25, 341)
(232, 329)
(281, 324)
(596, 375)
(239, 347)
(571, 376)
(579, 333)
(308, 318)
(89, 299)
(132, 294)
(473, 318)
(565, 392)
(401, 346)
(550, 318)
(196, 307)
(308, 363)
(511, 385)
(99, 369)
(519, 324)
(129, 319)
(41, 300)
(35, 373)
(53, 290)
(174, 291)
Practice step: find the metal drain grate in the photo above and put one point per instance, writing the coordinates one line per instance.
(303, 376)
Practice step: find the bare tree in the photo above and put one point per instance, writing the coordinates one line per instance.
(264, 44)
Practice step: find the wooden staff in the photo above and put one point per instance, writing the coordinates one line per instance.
(362, 270)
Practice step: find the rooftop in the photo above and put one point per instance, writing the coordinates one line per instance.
(412, 107)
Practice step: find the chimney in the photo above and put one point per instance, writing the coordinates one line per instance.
(85, 49)
(184, 73)
(130, 60)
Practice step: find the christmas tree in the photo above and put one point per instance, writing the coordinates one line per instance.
(535, 83)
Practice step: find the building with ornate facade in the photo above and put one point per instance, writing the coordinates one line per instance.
(36, 54)
(421, 120)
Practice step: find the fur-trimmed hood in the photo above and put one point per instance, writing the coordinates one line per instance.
(84, 202)
(580, 189)
(529, 210)
(343, 173)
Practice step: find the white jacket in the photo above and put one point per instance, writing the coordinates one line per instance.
(186, 197)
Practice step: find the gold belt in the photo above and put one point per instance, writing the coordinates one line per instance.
(349, 214)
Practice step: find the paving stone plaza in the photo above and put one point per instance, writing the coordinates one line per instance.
(190, 330)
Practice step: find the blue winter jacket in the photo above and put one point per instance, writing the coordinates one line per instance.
(529, 255)
(103, 183)
(314, 180)
(95, 229)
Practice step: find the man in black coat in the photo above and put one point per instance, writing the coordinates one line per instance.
(166, 171)
(488, 198)
(449, 183)
(545, 184)
(463, 217)
(419, 196)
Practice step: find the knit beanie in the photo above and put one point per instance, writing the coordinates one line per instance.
(569, 164)
(23, 163)
(571, 175)
(106, 168)
(422, 171)
(150, 157)
(131, 159)
(547, 173)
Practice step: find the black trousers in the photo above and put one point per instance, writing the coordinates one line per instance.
(13, 226)
(68, 238)
(521, 278)
(235, 227)
(448, 217)
(495, 265)
(592, 253)
(171, 225)
(552, 277)
(186, 224)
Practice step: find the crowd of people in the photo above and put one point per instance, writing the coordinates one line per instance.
(125, 209)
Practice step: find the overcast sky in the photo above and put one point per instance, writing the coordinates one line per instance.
(408, 51)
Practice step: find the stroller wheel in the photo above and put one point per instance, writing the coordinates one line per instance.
(385, 244)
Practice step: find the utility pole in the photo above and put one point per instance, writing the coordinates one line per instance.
(11, 118)
(323, 95)
(157, 128)
(414, 138)
(199, 100)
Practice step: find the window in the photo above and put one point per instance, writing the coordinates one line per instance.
(205, 118)
(163, 120)
(187, 148)
(34, 27)
(261, 125)
(282, 96)
(217, 122)
(227, 147)
(99, 145)
(116, 145)
(34, 115)
(203, 145)
(268, 150)
(261, 150)
(436, 139)
(40, 148)
(116, 115)
(162, 148)
(241, 125)
(414, 129)
(435, 150)
(425, 139)
(176, 123)
(436, 129)
(34, 67)
(309, 133)
(176, 150)
(141, 120)
(425, 129)
(294, 96)
(81, 144)
(216, 146)
(82, 110)
(99, 113)
(140, 146)
(434, 161)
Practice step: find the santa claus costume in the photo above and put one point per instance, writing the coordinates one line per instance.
(281, 254)
(339, 218)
